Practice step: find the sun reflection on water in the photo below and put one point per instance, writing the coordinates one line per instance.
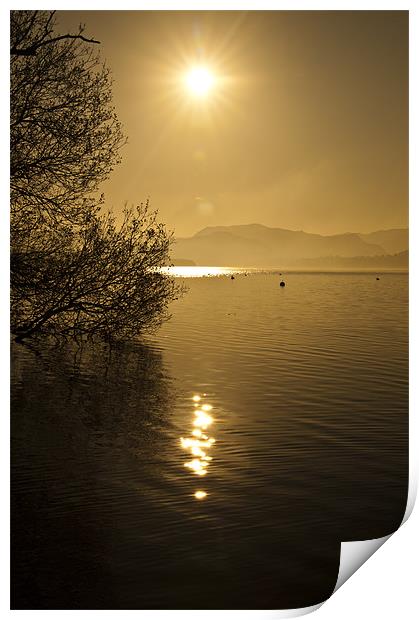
(198, 443)
(200, 494)
(195, 271)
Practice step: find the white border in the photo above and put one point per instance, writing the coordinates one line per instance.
(386, 586)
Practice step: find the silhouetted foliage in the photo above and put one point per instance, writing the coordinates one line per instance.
(31, 30)
(65, 136)
(100, 279)
(74, 271)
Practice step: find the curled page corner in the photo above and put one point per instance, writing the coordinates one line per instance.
(411, 496)
(354, 554)
(295, 613)
(274, 614)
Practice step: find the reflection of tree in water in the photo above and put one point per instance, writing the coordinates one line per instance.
(116, 397)
(89, 430)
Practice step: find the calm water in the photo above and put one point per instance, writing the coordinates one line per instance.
(286, 407)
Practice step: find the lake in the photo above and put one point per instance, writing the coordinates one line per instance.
(219, 462)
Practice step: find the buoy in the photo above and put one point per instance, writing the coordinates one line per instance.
(282, 283)
(377, 278)
(232, 277)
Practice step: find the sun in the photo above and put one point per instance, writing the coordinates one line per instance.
(199, 81)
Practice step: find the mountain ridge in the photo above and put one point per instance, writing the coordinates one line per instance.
(257, 244)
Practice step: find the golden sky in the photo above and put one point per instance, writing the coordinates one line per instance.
(304, 127)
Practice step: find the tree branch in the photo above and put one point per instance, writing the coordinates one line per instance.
(32, 49)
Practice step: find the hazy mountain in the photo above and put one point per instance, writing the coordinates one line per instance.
(183, 262)
(257, 245)
(393, 241)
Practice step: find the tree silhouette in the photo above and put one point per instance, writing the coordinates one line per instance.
(65, 135)
(73, 270)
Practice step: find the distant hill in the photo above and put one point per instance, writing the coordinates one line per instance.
(392, 241)
(258, 245)
(183, 262)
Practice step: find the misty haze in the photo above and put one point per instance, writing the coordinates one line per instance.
(256, 245)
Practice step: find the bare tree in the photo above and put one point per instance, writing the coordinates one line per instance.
(32, 30)
(105, 280)
(65, 135)
(74, 271)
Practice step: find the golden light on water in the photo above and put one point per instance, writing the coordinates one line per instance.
(188, 443)
(200, 494)
(196, 271)
(198, 443)
(202, 419)
(198, 466)
(198, 452)
(199, 81)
